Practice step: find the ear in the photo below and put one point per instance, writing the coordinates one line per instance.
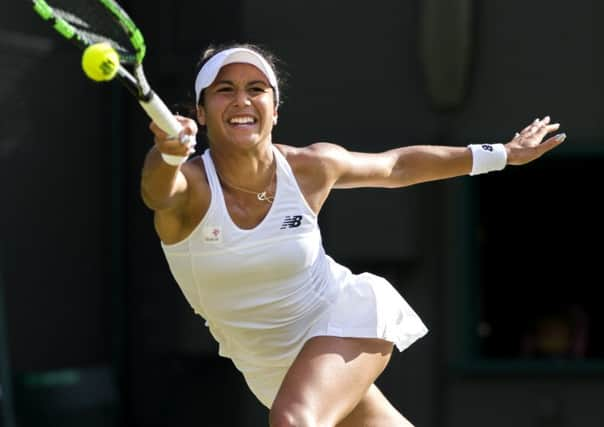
(275, 117)
(201, 115)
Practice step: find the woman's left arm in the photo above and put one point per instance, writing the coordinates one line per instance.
(406, 166)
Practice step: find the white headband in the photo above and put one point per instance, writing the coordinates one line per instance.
(210, 69)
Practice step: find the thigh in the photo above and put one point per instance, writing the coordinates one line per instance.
(374, 410)
(329, 378)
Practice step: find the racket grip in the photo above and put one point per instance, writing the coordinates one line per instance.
(157, 110)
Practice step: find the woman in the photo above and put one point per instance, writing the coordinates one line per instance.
(238, 226)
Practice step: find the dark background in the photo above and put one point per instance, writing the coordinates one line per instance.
(504, 268)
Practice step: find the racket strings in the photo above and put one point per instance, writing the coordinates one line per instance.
(93, 23)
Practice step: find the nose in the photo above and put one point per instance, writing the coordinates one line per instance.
(242, 98)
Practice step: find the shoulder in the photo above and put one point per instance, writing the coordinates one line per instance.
(316, 167)
(313, 158)
(194, 170)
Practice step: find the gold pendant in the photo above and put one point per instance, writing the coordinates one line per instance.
(264, 198)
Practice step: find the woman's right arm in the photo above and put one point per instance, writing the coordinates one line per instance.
(164, 186)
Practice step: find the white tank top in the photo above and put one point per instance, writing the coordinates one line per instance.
(260, 290)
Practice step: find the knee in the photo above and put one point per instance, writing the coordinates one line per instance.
(291, 415)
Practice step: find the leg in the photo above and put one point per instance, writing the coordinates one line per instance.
(374, 410)
(328, 379)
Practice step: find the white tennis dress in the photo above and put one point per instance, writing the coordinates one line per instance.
(265, 291)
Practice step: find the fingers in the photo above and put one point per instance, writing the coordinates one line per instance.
(544, 130)
(536, 126)
(529, 145)
(552, 142)
(551, 128)
(189, 127)
(182, 144)
(537, 129)
(529, 127)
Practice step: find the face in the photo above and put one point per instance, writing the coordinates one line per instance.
(238, 107)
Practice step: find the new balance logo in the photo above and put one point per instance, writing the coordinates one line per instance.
(291, 221)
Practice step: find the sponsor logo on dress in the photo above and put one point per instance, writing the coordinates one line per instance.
(291, 221)
(212, 234)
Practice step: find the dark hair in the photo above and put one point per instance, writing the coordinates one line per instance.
(272, 60)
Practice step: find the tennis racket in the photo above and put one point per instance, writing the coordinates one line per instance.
(87, 22)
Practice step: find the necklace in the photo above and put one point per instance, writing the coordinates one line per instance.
(263, 196)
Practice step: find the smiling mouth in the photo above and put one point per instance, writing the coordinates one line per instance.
(242, 121)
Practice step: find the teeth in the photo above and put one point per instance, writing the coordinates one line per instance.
(242, 120)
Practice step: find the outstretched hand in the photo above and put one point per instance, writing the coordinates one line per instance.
(529, 145)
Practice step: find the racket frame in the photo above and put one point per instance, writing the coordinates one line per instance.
(135, 81)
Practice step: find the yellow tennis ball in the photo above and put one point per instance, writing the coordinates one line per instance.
(100, 62)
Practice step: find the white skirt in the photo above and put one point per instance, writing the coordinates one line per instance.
(367, 306)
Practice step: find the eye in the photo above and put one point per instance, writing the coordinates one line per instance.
(258, 89)
(224, 89)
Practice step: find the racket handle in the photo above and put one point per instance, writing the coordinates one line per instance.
(157, 110)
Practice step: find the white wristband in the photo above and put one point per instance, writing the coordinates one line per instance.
(487, 158)
(173, 160)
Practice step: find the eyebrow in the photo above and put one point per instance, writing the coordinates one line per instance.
(253, 82)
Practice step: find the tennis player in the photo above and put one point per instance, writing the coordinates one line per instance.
(238, 226)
